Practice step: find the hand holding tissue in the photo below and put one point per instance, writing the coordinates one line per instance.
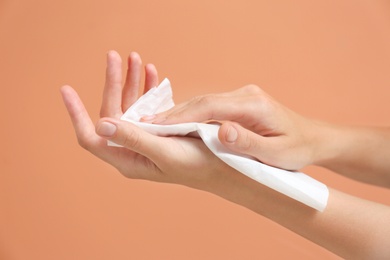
(296, 185)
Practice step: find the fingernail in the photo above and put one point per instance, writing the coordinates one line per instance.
(106, 129)
(147, 118)
(231, 135)
(158, 120)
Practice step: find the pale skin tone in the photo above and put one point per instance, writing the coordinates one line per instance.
(253, 124)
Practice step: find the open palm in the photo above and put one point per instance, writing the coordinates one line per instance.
(183, 160)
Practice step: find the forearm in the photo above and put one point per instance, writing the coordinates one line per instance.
(350, 227)
(361, 153)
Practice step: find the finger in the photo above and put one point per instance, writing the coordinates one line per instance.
(81, 121)
(151, 77)
(133, 78)
(112, 96)
(238, 104)
(141, 168)
(243, 141)
(131, 137)
(211, 107)
(161, 117)
(223, 106)
(82, 124)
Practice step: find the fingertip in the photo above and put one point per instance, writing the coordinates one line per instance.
(148, 118)
(222, 132)
(228, 133)
(150, 67)
(231, 135)
(134, 57)
(129, 135)
(113, 55)
(134, 54)
(106, 129)
(151, 73)
(160, 119)
(65, 89)
(68, 94)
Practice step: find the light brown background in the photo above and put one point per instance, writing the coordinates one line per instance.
(324, 59)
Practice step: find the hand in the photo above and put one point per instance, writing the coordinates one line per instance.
(276, 136)
(182, 160)
(253, 124)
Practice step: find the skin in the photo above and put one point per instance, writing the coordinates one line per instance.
(255, 124)
(258, 126)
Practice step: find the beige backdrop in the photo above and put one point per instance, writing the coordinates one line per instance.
(324, 59)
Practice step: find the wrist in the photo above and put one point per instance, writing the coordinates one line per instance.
(329, 143)
(243, 191)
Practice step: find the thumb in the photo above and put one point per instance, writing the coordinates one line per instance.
(244, 141)
(130, 136)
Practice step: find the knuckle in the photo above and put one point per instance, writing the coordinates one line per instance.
(131, 140)
(84, 143)
(253, 89)
(194, 100)
(245, 144)
(204, 100)
(263, 102)
(206, 106)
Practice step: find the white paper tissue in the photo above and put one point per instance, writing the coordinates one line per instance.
(296, 185)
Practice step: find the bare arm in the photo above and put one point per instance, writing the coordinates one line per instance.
(349, 226)
(361, 153)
